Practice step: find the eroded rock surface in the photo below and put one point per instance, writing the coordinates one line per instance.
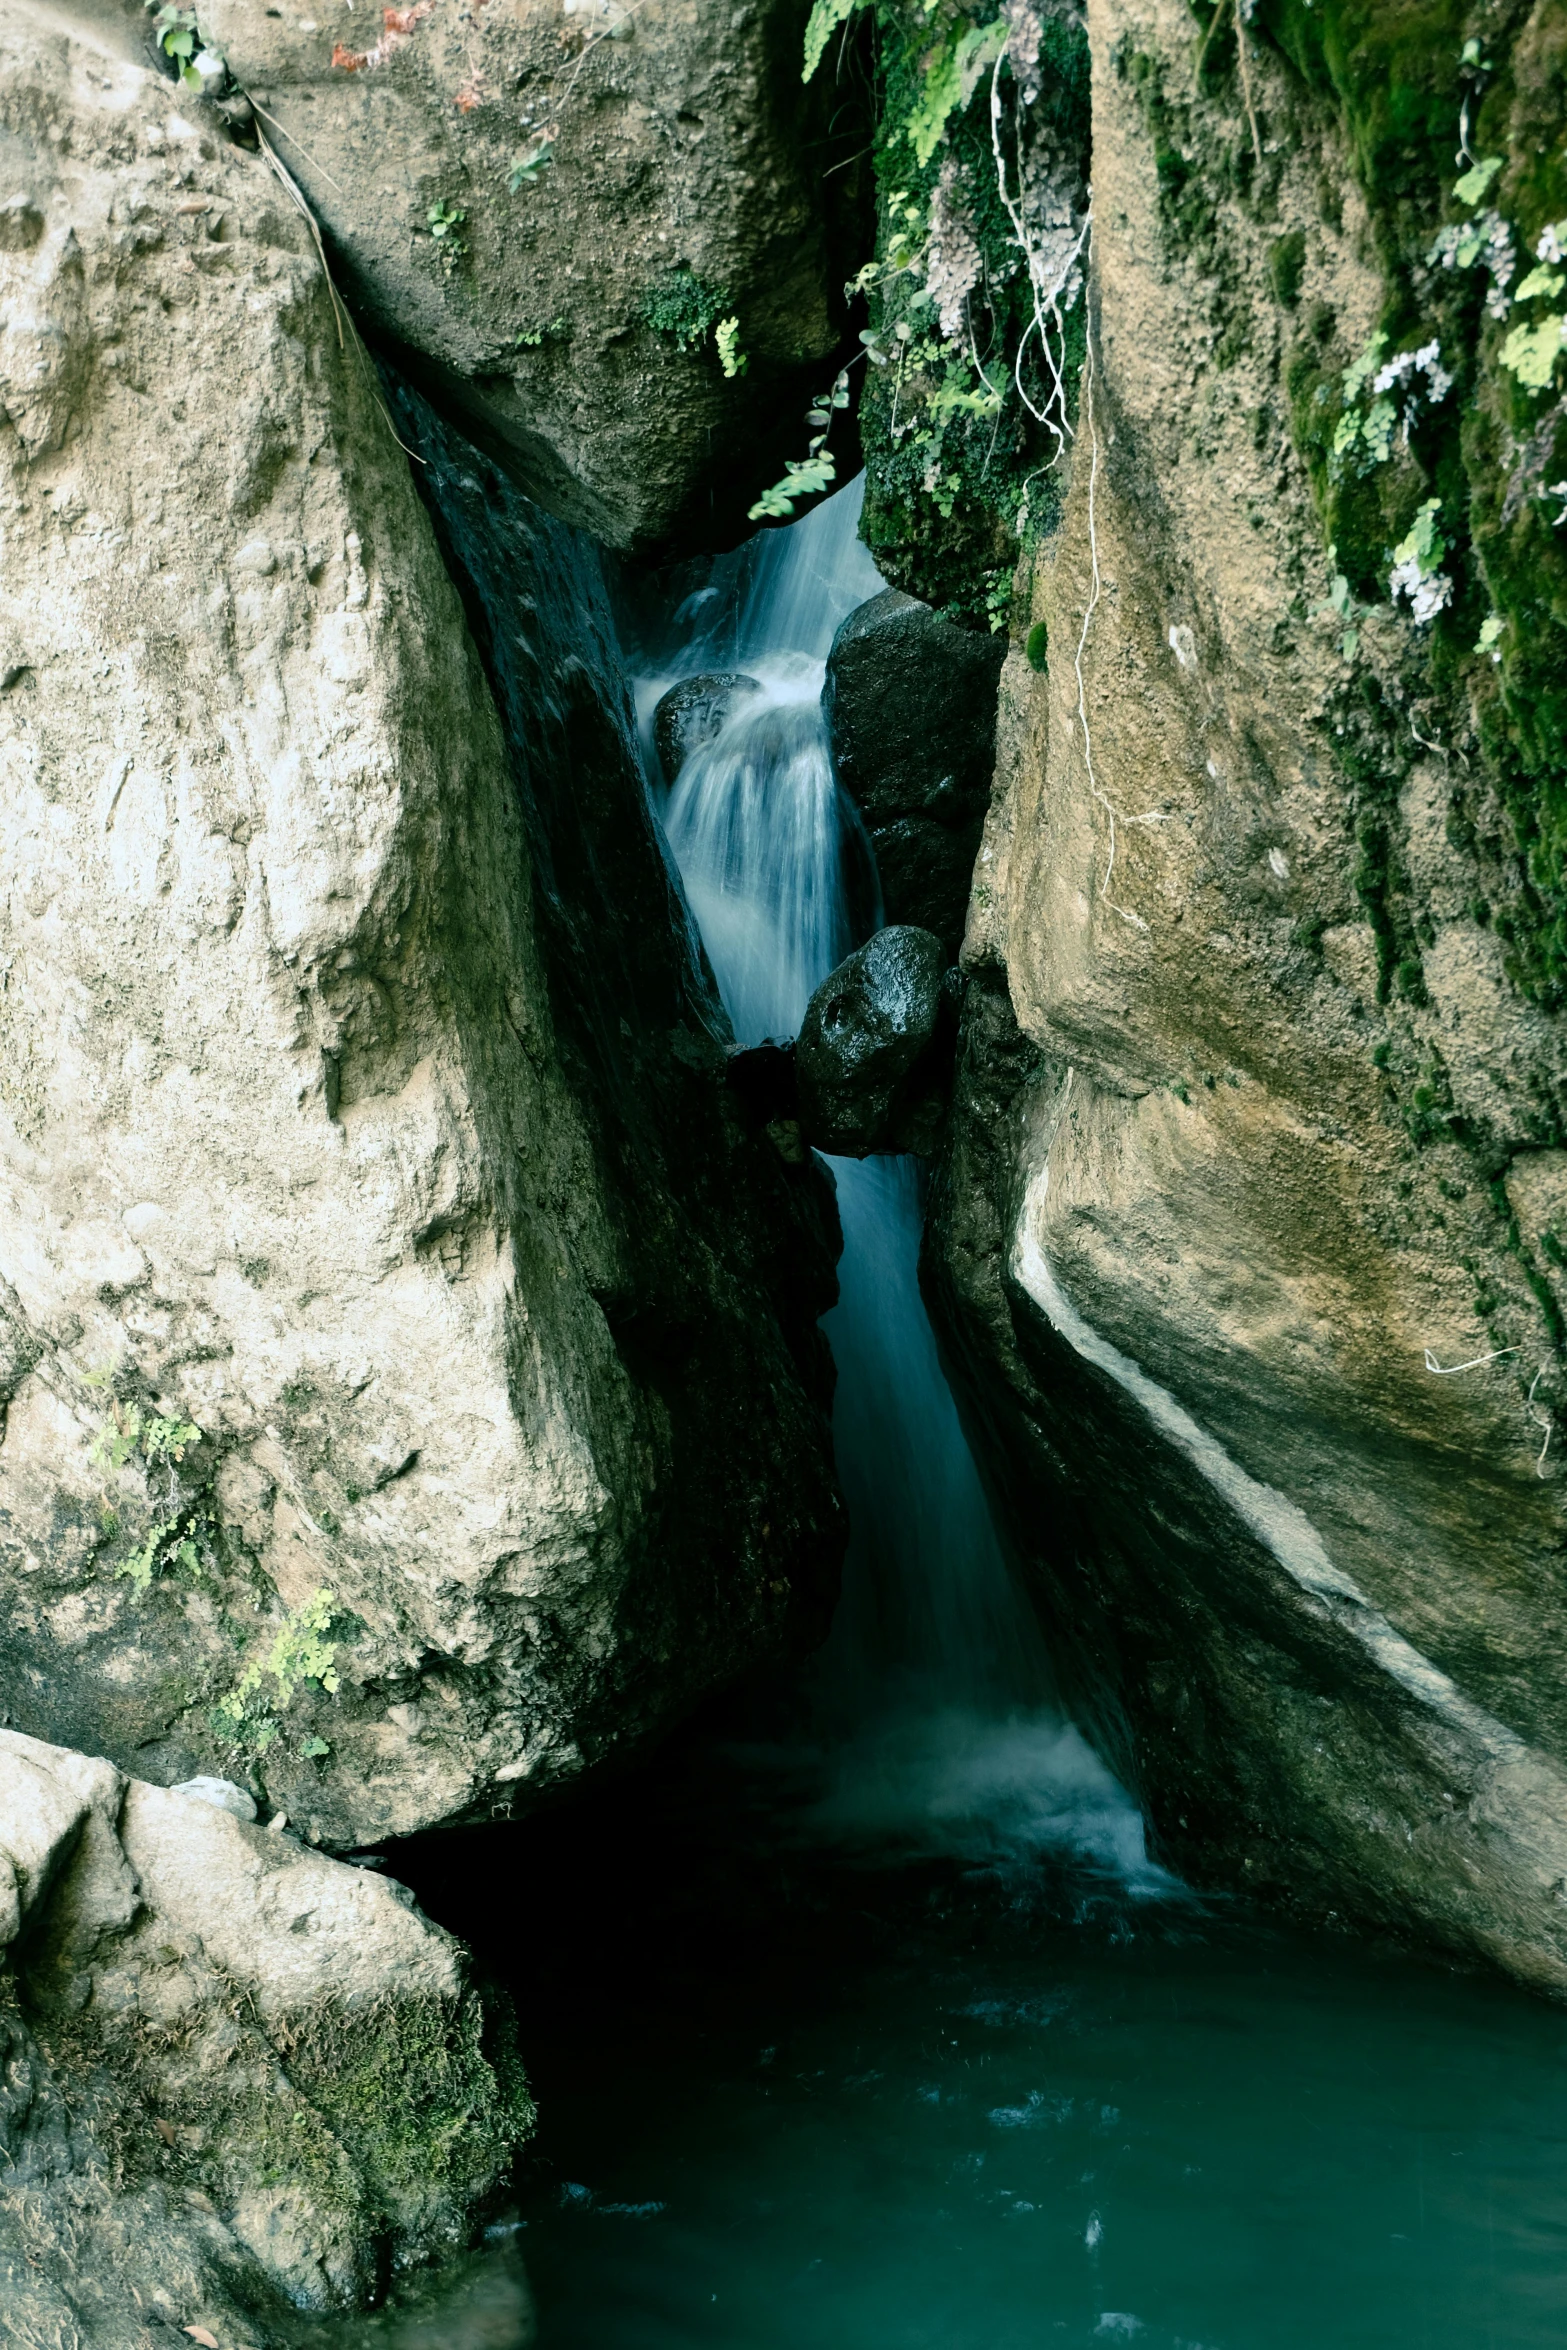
(910, 700)
(408, 1347)
(241, 2081)
(1243, 1253)
(694, 712)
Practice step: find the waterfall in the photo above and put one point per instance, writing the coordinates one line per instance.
(934, 1691)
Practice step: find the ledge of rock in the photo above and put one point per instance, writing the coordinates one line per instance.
(275, 2058)
(554, 310)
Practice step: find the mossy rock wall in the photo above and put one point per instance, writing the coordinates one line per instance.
(1250, 1238)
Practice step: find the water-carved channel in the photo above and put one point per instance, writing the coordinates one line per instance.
(864, 2019)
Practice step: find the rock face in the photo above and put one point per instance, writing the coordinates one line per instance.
(408, 1347)
(1247, 1261)
(608, 187)
(693, 712)
(866, 1058)
(275, 2059)
(911, 704)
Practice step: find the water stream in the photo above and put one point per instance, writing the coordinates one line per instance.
(933, 1698)
(864, 2021)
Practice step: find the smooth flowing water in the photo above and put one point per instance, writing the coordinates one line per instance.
(933, 1702)
(864, 2021)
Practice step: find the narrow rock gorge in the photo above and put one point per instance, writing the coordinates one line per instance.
(782, 969)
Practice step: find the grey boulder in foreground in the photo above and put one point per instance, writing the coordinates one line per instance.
(240, 2080)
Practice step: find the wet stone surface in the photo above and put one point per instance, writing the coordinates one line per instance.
(910, 701)
(866, 1060)
(695, 712)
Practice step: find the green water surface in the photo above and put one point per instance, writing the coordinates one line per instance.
(803, 2102)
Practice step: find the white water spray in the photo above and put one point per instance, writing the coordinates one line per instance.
(934, 1688)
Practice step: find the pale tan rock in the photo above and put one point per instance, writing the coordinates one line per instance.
(1238, 1300)
(289, 1149)
(296, 1926)
(266, 2050)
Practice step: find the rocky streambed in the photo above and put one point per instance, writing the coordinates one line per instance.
(418, 1078)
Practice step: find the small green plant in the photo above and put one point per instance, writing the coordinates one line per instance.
(804, 477)
(125, 1433)
(303, 1650)
(726, 341)
(176, 37)
(685, 308)
(529, 167)
(445, 223)
(1532, 350)
(174, 1544)
(1417, 561)
(951, 78)
(817, 470)
(998, 600)
(149, 1440)
(1399, 388)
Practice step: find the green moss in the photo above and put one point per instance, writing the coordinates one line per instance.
(430, 2094)
(1287, 266)
(954, 480)
(684, 307)
(394, 2120)
(1037, 646)
(1394, 75)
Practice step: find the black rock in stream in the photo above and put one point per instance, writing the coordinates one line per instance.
(869, 1067)
(693, 712)
(910, 701)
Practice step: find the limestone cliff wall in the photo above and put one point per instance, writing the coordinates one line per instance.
(410, 1378)
(1245, 1245)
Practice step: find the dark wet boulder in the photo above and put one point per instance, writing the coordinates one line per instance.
(910, 702)
(693, 712)
(872, 1064)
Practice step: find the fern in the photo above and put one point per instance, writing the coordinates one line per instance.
(825, 18)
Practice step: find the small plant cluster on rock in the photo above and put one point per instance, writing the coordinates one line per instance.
(303, 1653)
(1439, 454)
(975, 291)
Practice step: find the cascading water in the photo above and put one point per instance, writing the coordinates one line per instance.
(934, 1689)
